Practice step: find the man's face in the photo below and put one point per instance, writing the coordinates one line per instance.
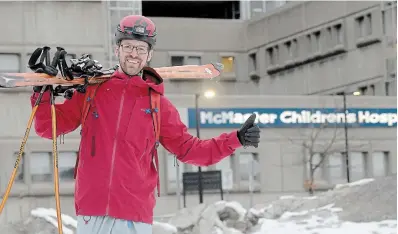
(133, 56)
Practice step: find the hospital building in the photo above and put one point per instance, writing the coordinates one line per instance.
(321, 76)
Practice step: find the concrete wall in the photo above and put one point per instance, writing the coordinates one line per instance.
(76, 26)
(344, 59)
(339, 58)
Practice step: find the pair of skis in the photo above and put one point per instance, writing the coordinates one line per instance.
(67, 81)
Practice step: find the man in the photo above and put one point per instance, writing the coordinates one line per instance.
(116, 173)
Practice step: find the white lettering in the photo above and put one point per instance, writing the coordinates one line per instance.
(293, 117)
(374, 118)
(206, 117)
(239, 118)
(286, 117)
(266, 118)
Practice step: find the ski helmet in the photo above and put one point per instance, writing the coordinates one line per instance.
(136, 27)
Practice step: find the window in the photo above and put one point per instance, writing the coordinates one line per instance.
(229, 64)
(192, 9)
(372, 89)
(66, 165)
(252, 62)
(271, 5)
(368, 24)
(10, 63)
(185, 60)
(363, 90)
(357, 166)
(330, 39)
(336, 168)
(364, 25)
(194, 60)
(295, 49)
(389, 19)
(318, 42)
(20, 173)
(288, 46)
(121, 3)
(172, 170)
(41, 167)
(271, 56)
(248, 166)
(177, 60)
(226, 170)
(391, 66)
(224, 164)
(387, 88)
(360, 26)
(380, 162)
(339, 34)
(309, 44)
(316, 159)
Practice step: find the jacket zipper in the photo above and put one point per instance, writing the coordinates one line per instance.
(95, 116)
(146, 146)
(114, 149)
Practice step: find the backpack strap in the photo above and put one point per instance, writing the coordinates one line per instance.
(155, 107)
(90, 93)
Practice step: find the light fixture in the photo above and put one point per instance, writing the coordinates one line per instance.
(209, 94)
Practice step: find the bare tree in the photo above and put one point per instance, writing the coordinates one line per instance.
(318, 144)
(317, 151)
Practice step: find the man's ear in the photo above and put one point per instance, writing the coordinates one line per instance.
(150, 54)
(116, 50)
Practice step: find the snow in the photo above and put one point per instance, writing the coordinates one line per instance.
(237, 207)
(321, 219)
(166, 226)
(289, 222)
(50, 215)
(330, 225)
(356, 183)
(287, 197)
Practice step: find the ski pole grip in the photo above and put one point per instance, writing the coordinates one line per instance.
(52, 69)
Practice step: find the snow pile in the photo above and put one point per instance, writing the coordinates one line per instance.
(364, 207)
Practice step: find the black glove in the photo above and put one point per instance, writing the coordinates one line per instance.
(85, 65)
(43, 66)
(249, 133)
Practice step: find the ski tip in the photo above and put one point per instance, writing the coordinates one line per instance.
(218, 66)
(3, 82)
(6, 81)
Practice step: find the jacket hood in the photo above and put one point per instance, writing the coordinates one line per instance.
(151, 79)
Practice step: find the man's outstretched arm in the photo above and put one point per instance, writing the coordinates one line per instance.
(174, 136)
(67, 114)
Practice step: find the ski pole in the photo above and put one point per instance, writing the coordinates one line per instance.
(54, 63)
(55, 155)
(21, 149)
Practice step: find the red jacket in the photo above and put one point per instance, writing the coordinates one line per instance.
(116, 175)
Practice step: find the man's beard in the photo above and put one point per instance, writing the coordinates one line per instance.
(131, 69)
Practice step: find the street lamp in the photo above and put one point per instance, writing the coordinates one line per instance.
(347, 162)
(207, 94)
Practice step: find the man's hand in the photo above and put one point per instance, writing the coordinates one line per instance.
(249, 133)
(43, 66)
(85, 65)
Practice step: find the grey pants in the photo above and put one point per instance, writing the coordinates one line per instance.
(108, 225)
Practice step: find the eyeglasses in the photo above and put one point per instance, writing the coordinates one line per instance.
(130, 48)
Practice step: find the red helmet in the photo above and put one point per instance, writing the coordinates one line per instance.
(136, 27)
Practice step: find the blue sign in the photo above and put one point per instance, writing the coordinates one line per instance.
(294, 117)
